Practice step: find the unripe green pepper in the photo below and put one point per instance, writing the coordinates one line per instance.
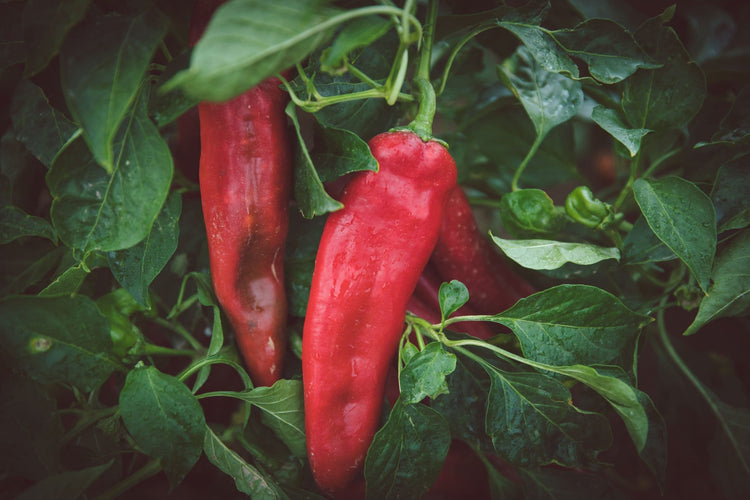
(530, 213)
(583, 207)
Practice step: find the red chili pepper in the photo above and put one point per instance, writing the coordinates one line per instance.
(462, 253)
(245, 176)
(370, 257)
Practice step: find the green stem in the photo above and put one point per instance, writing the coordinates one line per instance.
(89, 418)
(525, 162)
(181, 331)
(454, 53)
(634, 165)
(148, 470)
(422, 123)
(197, 365)
(157, 350)
(425, 53)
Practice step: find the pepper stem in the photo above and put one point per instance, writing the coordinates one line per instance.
(422, 123)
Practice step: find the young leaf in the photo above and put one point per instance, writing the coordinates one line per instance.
(729, 294)
(575, 324)
(102, 65)
(548, 98)
(547, 254)
(136, 267)
(15, 223)
(425, 373)
(43, 129)
(609, 120)
(407, 453)
(45, 24)
(682, 216)
(532, 421)
(94, 210)
(248, 479)
(164, 418)
(308, 188)
(70, 484)
(57, 339)
(238, 50)
(452, 297)
(282, 411)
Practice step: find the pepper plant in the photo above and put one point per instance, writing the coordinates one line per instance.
(602, 147)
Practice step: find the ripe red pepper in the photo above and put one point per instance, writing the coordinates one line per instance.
(370, 257)
(245, 178)
(463, 253)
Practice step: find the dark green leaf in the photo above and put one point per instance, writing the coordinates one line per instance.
(452, 297)
(67, 283)
(57, 339)
(339, 152)
(166, 107)
(731, 196)
(532, 421)
(359, 33)
(547, 254)
(42, 128)
(407, 453)
(301, 248)
(729, 295)
(425, 373)
(94, 210)
(238, 51)
(102, 66)
(642, 246)
(309, 192)
(68, 485)
(735, 126)
(282, 411)
(45, 24)
(575, 324)
(35, 258)
(248, 479)
(682, 216)
(164, 418)
(15, 223)
(136, 267)
(529, 212)
(464, 406)
(609, 120)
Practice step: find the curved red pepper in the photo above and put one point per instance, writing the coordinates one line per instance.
(245, 178)
(370, 257)
(463, 253)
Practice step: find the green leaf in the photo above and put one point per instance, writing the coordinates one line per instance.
(102, 66)
(238, 50)
(136, 267)
(669, 96)
(299, 263)
(35, 259)
(68, 282)
(309, 192)
(548, 254)
(94, 210)
(339, 152)
(68, 485)
(464, 405)
(359, 33)
(45, 24)
(424, 375)
(165, 107)
(548, 98)
(546, 51)
(57, 339)
(729, 294)
(529, 212)
(281, 405)
(15, 223)
(43, 129)
(731, 196)
(735, 126)
(642, 246)
(682, 216)
(248, 479)
(575, 324)
(609, 120)
(164, 418)
(532, 421)
(407, 453)
(452, 297)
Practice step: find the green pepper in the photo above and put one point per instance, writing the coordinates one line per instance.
(583, 207)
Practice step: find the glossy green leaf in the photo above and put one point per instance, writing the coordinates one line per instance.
(465, 404)
(68, 485)
(45, 24)
(281, 405)
(248, 479)
(682, 216)
(67, 283)
(548, 254)
(102, 66)
(425, 373)
(359, 33)
(339, 152)
(407, 453)
(548, 98)
(238, 51)
(729, 295)
(164, 418)
(546, 51)
(94, 210)
(136, 267)
(609, 120)
(452, 296)
(562, 434)
(15, 223)
(43, 129)
(575, 324)
(57, 339)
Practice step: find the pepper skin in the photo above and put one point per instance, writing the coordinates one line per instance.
(245, 180)
(370, 257)
(462, 253)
